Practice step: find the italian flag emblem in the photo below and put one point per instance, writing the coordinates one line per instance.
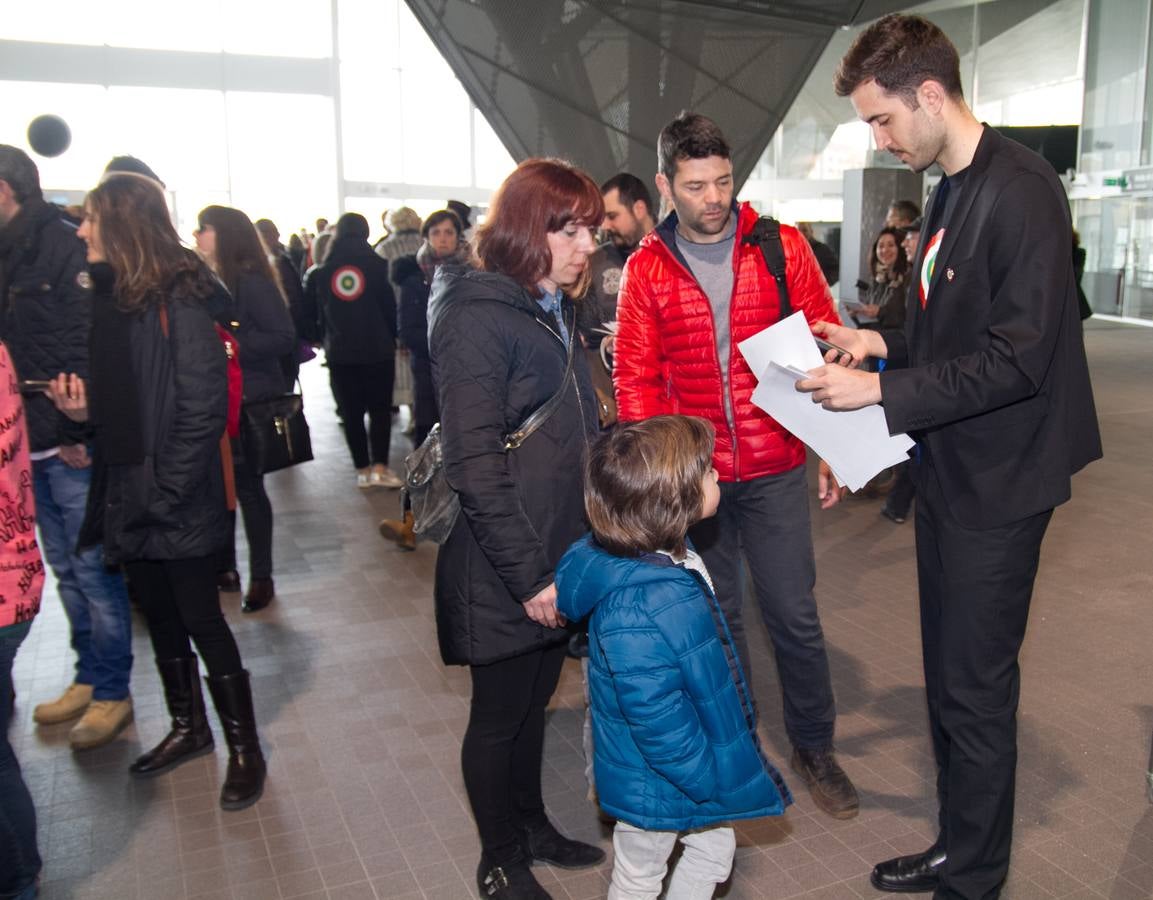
(348, 283)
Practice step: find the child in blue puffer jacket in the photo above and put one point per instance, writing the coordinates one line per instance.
(676, 755)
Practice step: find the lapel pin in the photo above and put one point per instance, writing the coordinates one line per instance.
(949, 273)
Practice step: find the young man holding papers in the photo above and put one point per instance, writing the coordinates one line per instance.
(691, 291)
(989, 376)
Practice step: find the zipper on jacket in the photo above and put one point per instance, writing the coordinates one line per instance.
(727, 409)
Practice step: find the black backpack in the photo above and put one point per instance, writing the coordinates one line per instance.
(767, 235)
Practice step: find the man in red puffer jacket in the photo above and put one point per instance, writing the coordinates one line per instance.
(690, 293)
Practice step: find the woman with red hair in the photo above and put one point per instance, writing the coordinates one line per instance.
(501, 338)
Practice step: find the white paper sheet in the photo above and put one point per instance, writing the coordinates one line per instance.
(857, 444)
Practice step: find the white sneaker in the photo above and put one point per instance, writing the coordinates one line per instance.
(363, 481)
(386, 479)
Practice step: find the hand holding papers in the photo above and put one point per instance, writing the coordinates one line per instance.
(855, 444)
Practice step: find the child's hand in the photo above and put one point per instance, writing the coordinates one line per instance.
(542, 608)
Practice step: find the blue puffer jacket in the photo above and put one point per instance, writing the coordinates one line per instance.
(672, 720)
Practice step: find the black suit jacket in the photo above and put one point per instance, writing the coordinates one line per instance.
(990, 377)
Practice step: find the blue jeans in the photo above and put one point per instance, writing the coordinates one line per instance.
(19, 857)
(766, 521)
(94, 599)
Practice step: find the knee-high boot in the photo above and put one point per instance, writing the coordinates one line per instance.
(244, 781)
(190, 735)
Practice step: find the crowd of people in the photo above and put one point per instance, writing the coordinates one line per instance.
(614, 476)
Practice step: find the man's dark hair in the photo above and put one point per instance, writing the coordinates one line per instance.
(352, 225)
(900, 53)
(630, 189)
(17, 168)
(689, 136)
(907, 209)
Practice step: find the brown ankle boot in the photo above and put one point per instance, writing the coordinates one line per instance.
(400, 533)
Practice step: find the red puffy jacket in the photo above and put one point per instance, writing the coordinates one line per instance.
(665, 359)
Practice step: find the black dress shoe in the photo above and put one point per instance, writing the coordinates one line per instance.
(228, 581)
(260, 593)
(909, 874)
(546, 844)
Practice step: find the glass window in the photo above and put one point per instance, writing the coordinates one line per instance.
(282, 153)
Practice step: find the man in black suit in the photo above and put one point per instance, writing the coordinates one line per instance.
(989, 376)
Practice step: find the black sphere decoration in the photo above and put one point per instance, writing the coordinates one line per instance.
(49, 135)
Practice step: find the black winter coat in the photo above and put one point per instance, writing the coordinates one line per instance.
(172, 505)
(412, 317)
(353, 305)
(265, 335)
(497, 357)
(46, 317)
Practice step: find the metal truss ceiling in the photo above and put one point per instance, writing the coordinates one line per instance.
(594, 81)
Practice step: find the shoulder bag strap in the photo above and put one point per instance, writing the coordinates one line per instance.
(538, 417)
(767, 235)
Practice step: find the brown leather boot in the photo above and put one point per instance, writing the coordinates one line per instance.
(828, 784)
(400, 533)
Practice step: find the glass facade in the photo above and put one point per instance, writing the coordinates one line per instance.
(221, 126)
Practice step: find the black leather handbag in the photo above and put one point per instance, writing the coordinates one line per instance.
(275, 433)
(435, 505)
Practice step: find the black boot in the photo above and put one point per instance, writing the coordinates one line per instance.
(244, 780)
(260, 593)
(511, 880)
(190, 735)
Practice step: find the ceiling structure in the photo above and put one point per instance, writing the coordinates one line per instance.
(594, 81)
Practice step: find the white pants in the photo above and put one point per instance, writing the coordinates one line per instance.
(641, 862)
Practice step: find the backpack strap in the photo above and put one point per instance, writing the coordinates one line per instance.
(766, 234)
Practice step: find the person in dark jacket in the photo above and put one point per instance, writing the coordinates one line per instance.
(158, 402)
(676, 750)
(444, 244)
(355, 313)
(227, 241)
(500, 340)
(883, 304)
(47, 297)
(288, 278)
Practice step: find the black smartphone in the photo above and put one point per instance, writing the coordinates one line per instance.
(33, 387)
(824, 346)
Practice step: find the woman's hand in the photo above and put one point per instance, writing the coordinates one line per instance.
(869, 309)
(70, 396)
(542, 608)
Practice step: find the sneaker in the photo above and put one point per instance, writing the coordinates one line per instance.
(828, 784)
(386, 478)
(363, 481)
(102, 721)
(67, 706)
(892, 516)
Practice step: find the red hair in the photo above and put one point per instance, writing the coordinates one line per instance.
(539, 197)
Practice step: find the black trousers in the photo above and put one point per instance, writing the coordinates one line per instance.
(182, 606)
(256, 511)
(361, 390)
(502, 748)
(975, 588)
(424, 407)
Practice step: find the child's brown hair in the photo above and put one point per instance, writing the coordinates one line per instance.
(643, 484)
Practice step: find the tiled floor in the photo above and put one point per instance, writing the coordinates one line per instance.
(362, 723)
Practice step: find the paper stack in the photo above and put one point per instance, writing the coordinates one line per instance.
(857, 444)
